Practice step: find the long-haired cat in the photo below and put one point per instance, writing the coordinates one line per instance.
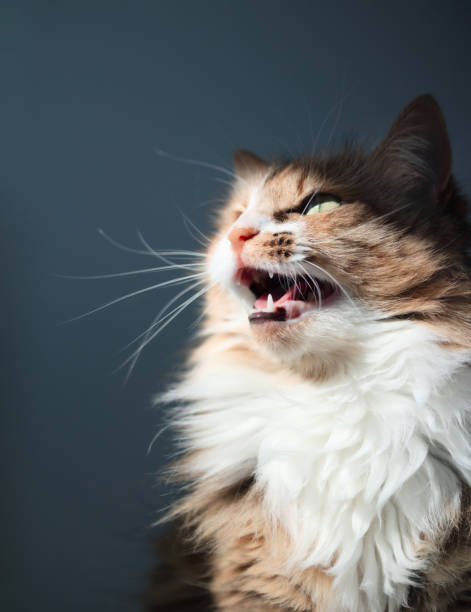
(324, 416)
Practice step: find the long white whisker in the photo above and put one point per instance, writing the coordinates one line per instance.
(175, 312)
(190, 266)
(164, 324)
(293, 277)
(159, 254)
(191, 226)
(323, 124)
(158, 319)
(153, 253)
(308, 279)
(173, 281)
(316, 287)
(159, 315)
(217, 179)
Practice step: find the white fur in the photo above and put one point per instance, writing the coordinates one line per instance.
(355, 468)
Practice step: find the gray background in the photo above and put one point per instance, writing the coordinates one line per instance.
(88, 90)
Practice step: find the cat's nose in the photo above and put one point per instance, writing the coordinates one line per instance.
(239, 235)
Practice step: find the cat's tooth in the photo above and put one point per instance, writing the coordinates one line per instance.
(270, 274)
(270, 307)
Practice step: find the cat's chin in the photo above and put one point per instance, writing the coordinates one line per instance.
(317, 343)
(314, 343)
(286, 335)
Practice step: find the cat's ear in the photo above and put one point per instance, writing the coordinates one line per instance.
(416, 153)
(248, 164)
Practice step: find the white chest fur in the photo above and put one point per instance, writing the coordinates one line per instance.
(355, 468)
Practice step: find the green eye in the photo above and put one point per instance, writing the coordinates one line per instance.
(325, 206)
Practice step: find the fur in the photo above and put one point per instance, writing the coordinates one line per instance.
(329, 456)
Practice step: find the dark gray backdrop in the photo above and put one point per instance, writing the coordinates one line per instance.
(88, 90)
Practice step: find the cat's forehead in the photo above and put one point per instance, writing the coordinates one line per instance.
(283, 187)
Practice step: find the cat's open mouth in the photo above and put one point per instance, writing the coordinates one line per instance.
(281, 298)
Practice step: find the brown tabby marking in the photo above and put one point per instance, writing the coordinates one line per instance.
(244, 563)
(247, 556)
(446, 585)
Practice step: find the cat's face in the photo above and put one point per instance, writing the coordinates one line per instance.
(277, 257)
(308, 250)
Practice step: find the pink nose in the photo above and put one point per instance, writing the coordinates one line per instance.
(239, 235)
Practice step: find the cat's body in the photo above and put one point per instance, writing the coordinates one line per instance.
(326, 436)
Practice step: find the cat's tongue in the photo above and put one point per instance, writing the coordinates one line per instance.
(289, 306)
(261, 303)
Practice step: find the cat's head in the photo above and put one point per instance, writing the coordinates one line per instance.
(309, 249)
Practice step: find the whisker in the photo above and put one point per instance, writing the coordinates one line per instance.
(196, 162)
(163, 324)
(293, 278)
(159, 254)
(312, 197)
(190, 266)
(150, 250)
(157, 435)
(170, 253)
(394, 211)
(321, 128)
(212, 201)
(217, 179)
(316, 287)
(173, 281)
(158, 319)
(334, 280)
(155, 320)
(198, 320)
(339, 113)
(189, 224)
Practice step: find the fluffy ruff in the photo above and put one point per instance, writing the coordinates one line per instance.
(359, 475)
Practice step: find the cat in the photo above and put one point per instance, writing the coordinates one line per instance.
(324, 416)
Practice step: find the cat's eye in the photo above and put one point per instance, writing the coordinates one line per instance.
(322, 207)
(312, 204)
(320, 204)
